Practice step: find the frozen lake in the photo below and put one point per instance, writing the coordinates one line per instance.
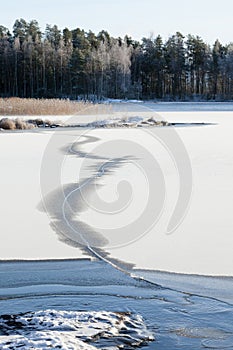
(135, 182)
(76, 304)
(152, 202)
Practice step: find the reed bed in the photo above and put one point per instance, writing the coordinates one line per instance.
(31, 106)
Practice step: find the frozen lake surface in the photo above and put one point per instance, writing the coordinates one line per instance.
(68, 303)
(154, 202)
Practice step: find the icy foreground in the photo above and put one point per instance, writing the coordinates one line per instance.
(31, 293)
(73, 330)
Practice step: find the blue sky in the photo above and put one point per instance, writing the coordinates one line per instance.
(138, 18)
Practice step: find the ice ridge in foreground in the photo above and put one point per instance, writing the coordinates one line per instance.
(52, 329)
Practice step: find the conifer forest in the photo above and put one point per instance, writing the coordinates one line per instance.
(78, 64)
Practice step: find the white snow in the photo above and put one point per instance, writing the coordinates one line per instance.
(25, 231)
(73, 330)
(202, 244)
(115, 122)
(44, 340)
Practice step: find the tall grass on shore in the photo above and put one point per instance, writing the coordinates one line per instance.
(31, 106)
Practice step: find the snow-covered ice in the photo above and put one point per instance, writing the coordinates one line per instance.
(73, 330)
(202, 242)
(88, 304)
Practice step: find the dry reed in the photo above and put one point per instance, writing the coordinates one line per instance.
(30, 106)
(15, 124)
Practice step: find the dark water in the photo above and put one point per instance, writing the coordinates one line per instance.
(194, 318)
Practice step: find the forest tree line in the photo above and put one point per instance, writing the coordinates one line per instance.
(78, 64)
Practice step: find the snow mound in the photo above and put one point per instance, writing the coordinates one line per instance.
(126, 122)
(52, 329)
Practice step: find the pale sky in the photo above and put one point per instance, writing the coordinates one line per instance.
(138, 18)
